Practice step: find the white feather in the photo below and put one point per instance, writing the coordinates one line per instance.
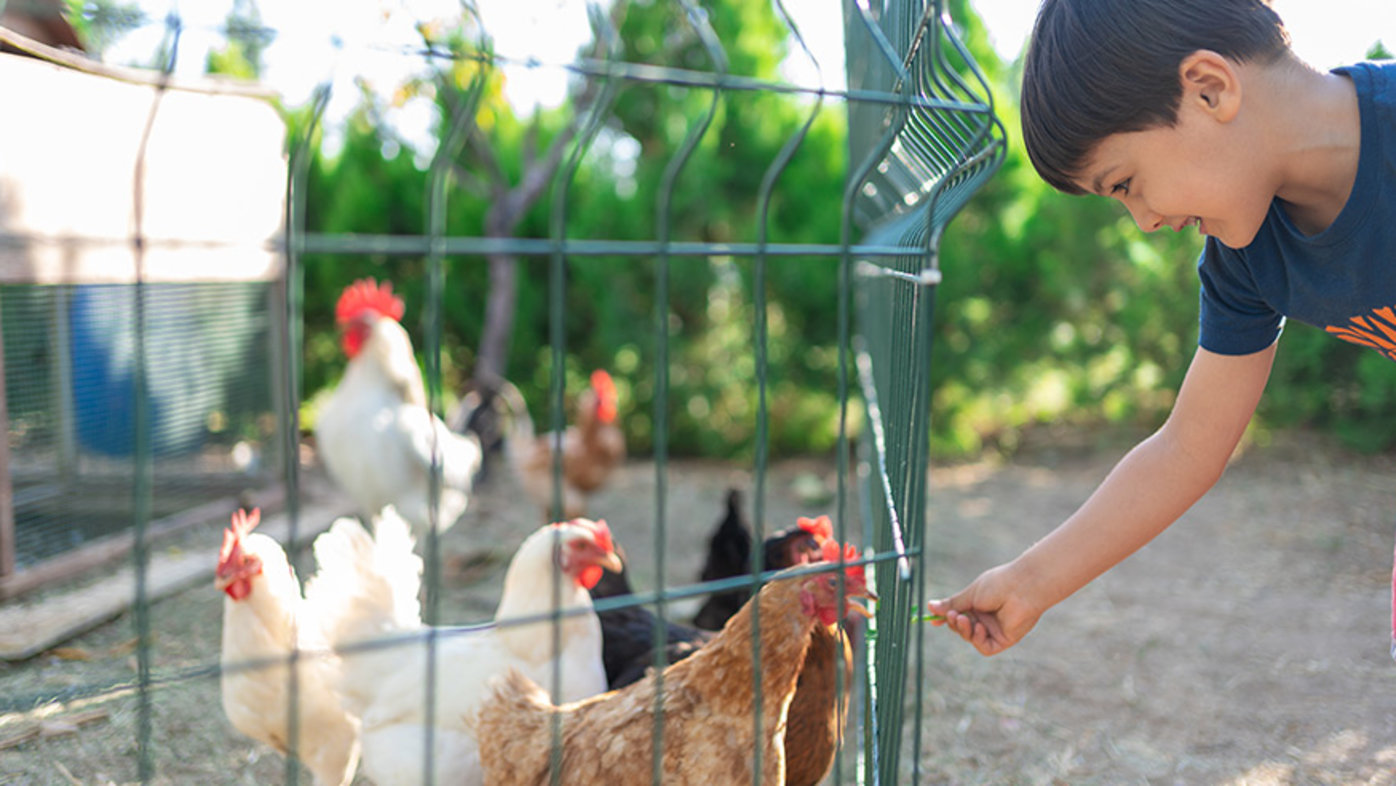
(377, 439)
(388, 685)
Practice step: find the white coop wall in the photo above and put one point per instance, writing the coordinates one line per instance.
(109, 177)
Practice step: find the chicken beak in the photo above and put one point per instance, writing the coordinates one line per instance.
(611, 561)
(858, 608)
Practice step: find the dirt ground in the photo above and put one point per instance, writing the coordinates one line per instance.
(1247, 645)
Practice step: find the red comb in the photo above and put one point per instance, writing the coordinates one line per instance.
(832, 552)
(242, 523)
(366, 295)
(605, 388)
(821, 528)
(230, 544)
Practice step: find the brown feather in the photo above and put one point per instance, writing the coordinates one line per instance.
(708, 699)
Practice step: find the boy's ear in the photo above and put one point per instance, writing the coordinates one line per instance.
(1210, 84)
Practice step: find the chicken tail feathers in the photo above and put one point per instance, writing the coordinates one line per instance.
(366, 586)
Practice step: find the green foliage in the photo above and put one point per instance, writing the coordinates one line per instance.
(100, 23)
(247, 38)
(1057, 309)
(374, 187)
(1054, 309)
(1332, 385)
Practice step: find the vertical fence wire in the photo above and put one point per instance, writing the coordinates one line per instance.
(458, 126)
(298, 167)
(712, 47)
(607, 44)
(143, 461)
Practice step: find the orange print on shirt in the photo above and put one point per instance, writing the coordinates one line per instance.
(1376, 330)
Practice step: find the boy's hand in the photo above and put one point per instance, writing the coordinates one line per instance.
(988, 613)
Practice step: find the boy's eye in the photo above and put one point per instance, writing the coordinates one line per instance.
(1120, 189)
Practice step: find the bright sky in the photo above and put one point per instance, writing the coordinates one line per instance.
(372, 41)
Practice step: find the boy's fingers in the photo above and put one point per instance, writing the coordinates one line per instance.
(992, 641)
(956, 604)
(962, 624)
(939, 608)
(982, 633)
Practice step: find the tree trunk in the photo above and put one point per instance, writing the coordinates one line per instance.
(499, 323)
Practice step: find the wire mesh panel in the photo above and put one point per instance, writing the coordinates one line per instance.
(685, 270)
(927, 142)
(69, 349)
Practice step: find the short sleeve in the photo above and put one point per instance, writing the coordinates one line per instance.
(1233, 319)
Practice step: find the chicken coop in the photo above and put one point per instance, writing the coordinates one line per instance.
(140, 271)
(228, 283)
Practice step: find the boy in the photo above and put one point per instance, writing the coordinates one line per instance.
(1195, 113)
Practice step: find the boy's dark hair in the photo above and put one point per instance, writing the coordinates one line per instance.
(1095, 68)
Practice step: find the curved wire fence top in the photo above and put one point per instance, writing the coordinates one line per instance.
(922, 137)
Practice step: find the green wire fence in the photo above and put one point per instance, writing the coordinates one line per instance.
(922, 137)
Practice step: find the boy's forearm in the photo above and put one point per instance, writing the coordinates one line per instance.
(1149, 489)
(1153, 484)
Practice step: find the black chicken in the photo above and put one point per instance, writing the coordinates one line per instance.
(729, 554)
(627, 633)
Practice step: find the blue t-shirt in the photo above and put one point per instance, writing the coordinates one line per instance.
(1342, 279)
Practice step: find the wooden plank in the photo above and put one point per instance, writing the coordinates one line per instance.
(209, 83)
(85, 558)
(27, 629)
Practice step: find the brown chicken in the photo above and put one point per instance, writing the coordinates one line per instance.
(815, 723)
(592, 447)
(709, 732)
(819, 711)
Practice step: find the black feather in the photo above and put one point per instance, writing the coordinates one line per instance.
(627, 633)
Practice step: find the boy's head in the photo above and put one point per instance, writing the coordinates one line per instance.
(1096, 68)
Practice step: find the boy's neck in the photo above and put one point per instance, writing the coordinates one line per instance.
(1317, 128)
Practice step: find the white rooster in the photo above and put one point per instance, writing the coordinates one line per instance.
(264, 620)
(385, 685)
(375, 434)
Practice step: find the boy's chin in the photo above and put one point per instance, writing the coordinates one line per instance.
(1231, 239)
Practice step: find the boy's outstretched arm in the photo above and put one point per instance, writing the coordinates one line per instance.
(1149, 489)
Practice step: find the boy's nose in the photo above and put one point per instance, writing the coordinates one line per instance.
(1147, 219)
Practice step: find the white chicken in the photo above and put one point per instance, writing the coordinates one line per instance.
(386, 684)
(264, 620)
(375, 434)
